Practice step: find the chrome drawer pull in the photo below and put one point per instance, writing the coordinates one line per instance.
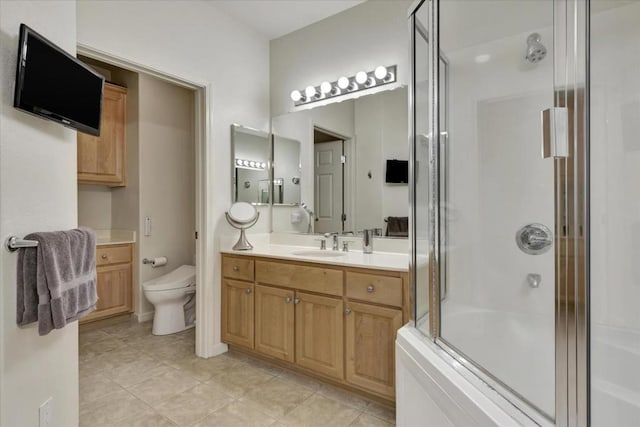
(287, 299)
(236, 268)
(370, 289)
(347, 311)
(248, 290)
(104, 256)
(296, 301)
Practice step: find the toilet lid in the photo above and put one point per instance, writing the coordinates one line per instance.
(182, 277)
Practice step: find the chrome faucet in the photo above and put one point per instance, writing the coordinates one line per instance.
(334, 245)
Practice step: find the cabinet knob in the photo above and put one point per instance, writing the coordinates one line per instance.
(370, 289)
(347, 311)
(248, 290)
(296, 301)
(287, 299)
(104, 256)
(236, 268)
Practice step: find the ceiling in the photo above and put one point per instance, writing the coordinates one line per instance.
(275, 18)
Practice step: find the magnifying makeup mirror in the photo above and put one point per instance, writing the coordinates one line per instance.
(242, 215)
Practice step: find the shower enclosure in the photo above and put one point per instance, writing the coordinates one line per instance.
(525, 137)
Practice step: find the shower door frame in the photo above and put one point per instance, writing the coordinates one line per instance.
(572, 222)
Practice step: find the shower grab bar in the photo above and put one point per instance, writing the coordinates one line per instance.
(13, 243)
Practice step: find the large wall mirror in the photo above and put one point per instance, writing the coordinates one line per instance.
(353, 166)
(251, 162)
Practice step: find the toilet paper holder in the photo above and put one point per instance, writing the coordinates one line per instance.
(153, 261)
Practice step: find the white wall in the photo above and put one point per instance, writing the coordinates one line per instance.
(361, 38)
(94, 206)
(167, 177)
(194, 40)
(37, 193)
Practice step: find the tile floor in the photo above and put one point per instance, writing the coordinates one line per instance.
(129, 377)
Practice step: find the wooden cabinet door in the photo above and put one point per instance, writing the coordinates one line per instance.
(370, 346)
(237, 313)
(114, 290)
(274, 322)
(319, 334)
(101, 159)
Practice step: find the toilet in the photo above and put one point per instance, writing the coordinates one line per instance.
(169, 294)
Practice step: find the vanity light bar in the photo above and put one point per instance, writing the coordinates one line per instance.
(344, 85)
(250, 164)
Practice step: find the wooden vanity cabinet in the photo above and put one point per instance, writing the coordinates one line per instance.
(274, 322)
(102, 159)
(319, 334)
(237, 317)
(334, 322)
(114, 268)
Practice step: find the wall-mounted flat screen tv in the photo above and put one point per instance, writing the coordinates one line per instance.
(52, 84)
(397, 172)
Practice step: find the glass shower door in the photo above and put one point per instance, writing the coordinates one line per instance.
(495, 193)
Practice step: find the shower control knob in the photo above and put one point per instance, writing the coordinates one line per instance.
(534, 239)
(370, 289)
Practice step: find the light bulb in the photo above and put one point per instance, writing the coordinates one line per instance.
(252, 164)
(361, 77)
(310, 91)
(343, 82)
(263, 164)
(325, 88)
(380, 72)
(238, 162)
(296, 96)
(245, 162)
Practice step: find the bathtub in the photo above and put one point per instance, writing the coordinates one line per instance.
(434, 389)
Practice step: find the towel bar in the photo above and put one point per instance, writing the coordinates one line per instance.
(13, 243)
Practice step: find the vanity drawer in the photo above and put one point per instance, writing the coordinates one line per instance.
(314, 279)
(379, 289)
(113, 254)
(237, 268)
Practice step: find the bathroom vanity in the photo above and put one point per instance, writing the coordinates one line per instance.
(114, 267)
(336, 319)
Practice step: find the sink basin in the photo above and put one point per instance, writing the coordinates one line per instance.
(320, 253)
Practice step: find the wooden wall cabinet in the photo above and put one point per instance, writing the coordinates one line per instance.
(103, 159)
(338, 323)
(114, 267)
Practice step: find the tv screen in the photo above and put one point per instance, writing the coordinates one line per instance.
(51, 83)
(397, 172)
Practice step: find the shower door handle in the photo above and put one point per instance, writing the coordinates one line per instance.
(555, 133)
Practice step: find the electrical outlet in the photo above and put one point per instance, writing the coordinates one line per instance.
(46, 413)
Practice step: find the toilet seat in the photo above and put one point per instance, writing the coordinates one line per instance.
(181, 277)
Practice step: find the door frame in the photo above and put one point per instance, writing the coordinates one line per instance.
(205, 224)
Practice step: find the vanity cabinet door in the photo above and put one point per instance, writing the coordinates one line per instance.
(274, 322)
(102, 159)
(237, 313)
(319, 334)
(370, 341)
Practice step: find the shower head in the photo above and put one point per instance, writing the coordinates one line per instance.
(535, 50)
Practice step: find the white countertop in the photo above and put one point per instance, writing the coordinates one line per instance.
(114, 237)
(376, 260)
